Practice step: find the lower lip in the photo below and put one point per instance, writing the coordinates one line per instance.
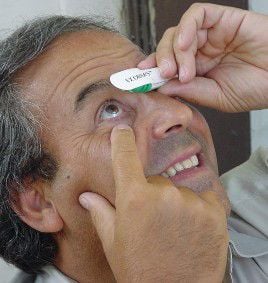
(201, 168)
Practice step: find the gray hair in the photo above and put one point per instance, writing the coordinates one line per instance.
(21, 151)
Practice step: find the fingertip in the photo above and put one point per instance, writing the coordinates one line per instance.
(85, 200)
(167, 69)
(171, 73)
(118, 128)
(148, 62)
(142, 64)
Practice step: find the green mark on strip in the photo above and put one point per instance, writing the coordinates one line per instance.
(143, 88)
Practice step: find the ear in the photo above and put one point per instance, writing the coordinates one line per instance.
(35, 210)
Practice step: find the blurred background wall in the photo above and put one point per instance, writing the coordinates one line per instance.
(14, 12)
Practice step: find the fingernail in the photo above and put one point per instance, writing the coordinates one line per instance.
(118, 127)
(122, 127)
(164, 67)
(183, 73)
(85, 201)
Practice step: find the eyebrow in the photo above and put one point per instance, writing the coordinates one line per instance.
(88, 91)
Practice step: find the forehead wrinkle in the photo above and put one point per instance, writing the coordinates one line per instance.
(133, 49)
(70, 73)
(113, 55)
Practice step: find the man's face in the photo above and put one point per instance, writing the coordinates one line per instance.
(70, 84)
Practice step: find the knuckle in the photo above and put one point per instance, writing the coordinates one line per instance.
(196, 5)
(160, 51)
(169, 31)
(178, 52)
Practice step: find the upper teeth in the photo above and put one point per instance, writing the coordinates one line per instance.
(185, 164)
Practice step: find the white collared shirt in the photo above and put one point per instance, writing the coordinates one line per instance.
(52, 275)
(247, 189)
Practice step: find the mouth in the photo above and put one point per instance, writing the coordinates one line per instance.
(188, 165)
(179, 167)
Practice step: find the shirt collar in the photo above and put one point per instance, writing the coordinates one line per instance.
(247, 246)
(51, 274)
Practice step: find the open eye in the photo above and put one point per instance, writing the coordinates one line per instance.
(110, 109)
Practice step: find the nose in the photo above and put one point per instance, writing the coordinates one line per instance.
(165, 115)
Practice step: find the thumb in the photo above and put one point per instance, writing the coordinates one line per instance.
(201, 91)
(103, 218)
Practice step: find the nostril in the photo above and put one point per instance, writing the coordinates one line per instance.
(173, 128)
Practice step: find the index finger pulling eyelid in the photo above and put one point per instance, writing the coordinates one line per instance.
(127, 167)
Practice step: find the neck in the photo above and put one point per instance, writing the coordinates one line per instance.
(82, 264)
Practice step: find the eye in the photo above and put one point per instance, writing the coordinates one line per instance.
(110, 109)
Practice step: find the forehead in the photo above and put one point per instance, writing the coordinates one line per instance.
(96, 53)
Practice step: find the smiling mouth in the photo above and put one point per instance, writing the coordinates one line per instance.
(179, 167)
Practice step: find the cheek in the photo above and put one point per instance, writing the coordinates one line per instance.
(87, 168)
(199, 125)
(102, 181)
